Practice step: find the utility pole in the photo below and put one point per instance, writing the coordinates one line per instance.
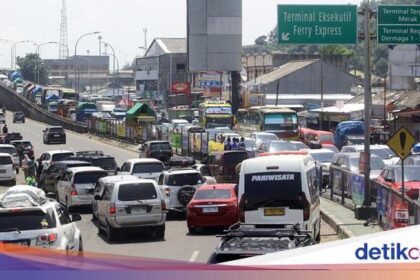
(236, 87)
(321, 119)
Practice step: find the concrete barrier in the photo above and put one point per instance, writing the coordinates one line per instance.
(16, 102)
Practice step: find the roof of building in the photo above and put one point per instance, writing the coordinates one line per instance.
(283, 71)
(347, 108)
(170, 45)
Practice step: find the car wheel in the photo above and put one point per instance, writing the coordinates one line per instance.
(80, 253)
(110, 233)
(191, 230)
(99, 227)
(13, 182)
(160, 232)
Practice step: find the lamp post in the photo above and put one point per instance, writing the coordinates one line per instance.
(113, 67)
(38, 51)
(75, 52)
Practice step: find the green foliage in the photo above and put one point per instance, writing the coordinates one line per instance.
(29, 68)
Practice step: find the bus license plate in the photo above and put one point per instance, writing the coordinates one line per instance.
(274, 212)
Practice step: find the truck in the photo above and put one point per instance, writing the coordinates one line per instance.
(84, 110)
(105, 106)
(65, 107)
(349, 133)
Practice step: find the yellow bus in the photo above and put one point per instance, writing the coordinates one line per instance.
(278, 120)
(216, 114)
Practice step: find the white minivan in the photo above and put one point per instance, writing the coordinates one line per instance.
(280, 190)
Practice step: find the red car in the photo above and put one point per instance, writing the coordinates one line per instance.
(213, 206)
(391, 176)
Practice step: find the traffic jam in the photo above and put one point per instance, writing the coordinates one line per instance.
(261, 190)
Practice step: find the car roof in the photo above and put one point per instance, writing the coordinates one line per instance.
(143, 160)
(66, 162)
(156, 141)
(58, 152)
(136, 181)
(6, 146)
(85, 169)
(117, 178)
(5, 155)
(181, 171)
(320, 151)
(286, 162)
(217, 187)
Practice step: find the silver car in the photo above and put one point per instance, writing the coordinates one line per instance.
(144, 168)
(133, 203)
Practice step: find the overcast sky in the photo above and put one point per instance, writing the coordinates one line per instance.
(120, 21)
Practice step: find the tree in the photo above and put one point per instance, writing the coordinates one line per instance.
(29, 68)
(381, 67)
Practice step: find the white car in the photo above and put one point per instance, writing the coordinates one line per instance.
(11, 150)
(144, 168)
(262, 137)
(382, 151)
(51, 156)
(19, 90)
(47, 225)
(76, 186)
(7, 169)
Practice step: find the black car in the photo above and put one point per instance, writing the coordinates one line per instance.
(49, 178)
(28, 148)
(98, 159)
(244, 241)
(160, 150)
(54, 134)
(18, 117)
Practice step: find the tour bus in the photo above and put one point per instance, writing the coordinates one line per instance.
(278, 120)
(280, 191)
(216, 114)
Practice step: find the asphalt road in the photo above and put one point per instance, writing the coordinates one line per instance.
(178, 244)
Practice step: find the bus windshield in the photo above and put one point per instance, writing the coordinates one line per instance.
(280, 121)
(218, 110)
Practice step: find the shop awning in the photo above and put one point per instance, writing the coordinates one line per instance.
(140, 109)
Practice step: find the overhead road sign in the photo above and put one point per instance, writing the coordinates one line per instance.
(398, 24)
(317, 24)
(402, 142)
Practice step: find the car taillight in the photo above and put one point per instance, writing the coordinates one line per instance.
(167, 192)
(163, 204)
(47, 239)
(73, 190)
(306, 206)
(15, 210)
(112, 209)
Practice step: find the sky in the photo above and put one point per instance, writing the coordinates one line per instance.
(121, 23)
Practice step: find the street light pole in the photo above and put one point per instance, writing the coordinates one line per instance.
(75, 53)
(13, 52)
(38, 51)
(113, 66)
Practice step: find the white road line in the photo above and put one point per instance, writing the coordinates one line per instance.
(194, 256)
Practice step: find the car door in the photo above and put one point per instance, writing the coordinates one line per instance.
(67, 227)
(125, 169)
(62, 185)
(103, 204)
(48, 178)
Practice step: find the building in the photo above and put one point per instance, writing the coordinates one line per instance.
(299, 83)
(163, 69)
(79, 71)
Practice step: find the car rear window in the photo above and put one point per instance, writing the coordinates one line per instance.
(88, 177)
(189, 179)
(233, 159)
(147, 168)
(60, 157)
(56, 129)
(78, 164)
(160, 146)
(105, 163)
(5, 160)
(8, 150)
(27, 220)
(140, 191)
(281, 146)
(272, 189)
(213, 194)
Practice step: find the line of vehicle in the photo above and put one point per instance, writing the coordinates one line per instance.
(194, 256)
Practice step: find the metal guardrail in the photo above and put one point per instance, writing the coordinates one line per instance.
(393, 209)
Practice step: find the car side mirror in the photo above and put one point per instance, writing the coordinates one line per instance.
(76, 217)
(97, 197)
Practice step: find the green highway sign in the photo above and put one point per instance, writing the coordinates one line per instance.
(398, 24)
(317, 24)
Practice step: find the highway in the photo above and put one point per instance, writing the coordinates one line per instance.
(178, 244)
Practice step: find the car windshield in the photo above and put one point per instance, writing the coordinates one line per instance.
(411, 174)
(88, 177)
(8, 150)
(56, 130)
(267, 137)
(188, 179)
(322, 157)
(26, 220)
(331, 148)
(215, 122)
(5, 160)
(147, 168)
(160, 146)
(105, 163)
(61, 157)
(281, 146)
(375, 163)
(213, 194)
(138, 191)
(383, 153)
(280, 121)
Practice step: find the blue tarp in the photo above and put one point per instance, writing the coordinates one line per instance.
(36, 90)
(52, 97)
(15, 75)
(347, 128)
(416, 149)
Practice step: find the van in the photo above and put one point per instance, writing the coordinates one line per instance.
(307, 135)
(280, 191)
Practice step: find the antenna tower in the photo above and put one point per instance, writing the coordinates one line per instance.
(64, 40)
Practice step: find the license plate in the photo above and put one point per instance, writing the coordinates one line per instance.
(16, 243)
(274, 212)
(56, 135)
(138, 210)
(401, 215)
(210, 210)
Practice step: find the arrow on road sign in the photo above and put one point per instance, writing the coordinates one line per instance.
(285, 36)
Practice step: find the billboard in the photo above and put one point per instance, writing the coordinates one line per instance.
(214, 30)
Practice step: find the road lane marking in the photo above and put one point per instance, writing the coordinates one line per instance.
(194, 256)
